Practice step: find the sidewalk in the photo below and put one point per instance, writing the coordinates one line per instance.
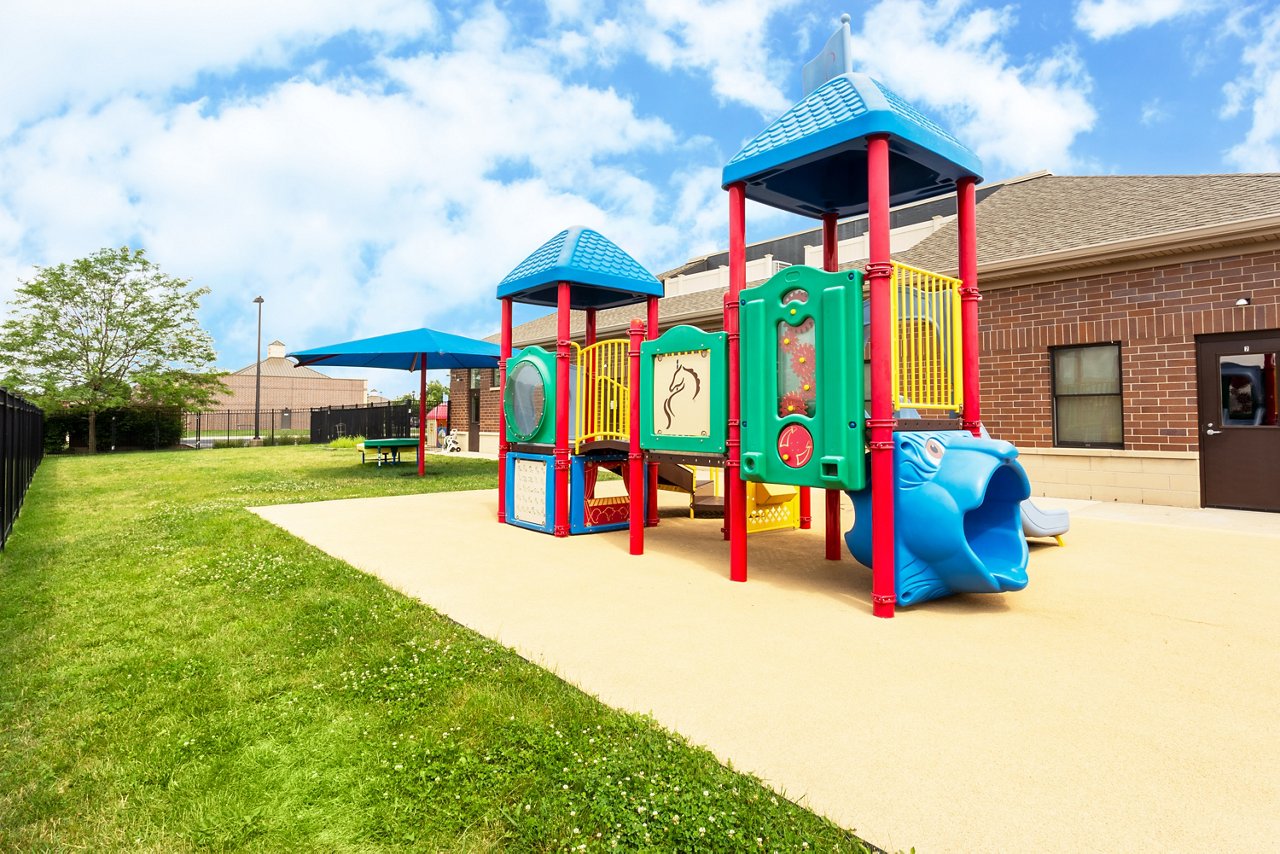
(1126, 700)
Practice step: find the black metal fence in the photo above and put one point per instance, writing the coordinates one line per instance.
(372, 421)
(21, 449)
(236, 426)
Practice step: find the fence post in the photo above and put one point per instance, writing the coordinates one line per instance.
(21, 450)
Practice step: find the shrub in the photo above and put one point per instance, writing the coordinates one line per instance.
(131, 428)
(346, 442)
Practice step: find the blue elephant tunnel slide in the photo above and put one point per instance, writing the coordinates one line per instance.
(958, 519)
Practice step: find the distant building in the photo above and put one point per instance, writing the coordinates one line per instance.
(287, 387)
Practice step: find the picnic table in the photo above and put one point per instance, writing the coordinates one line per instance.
(385, 450)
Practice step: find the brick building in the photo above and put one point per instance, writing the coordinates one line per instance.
(474, 403)
(285, 387)
(1130, 329)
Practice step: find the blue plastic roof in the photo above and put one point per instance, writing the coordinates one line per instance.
(813, 159)
(405, 351)
(600, 275)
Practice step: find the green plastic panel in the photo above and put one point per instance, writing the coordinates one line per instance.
(683, 391)
(529, 399)
(802, 389)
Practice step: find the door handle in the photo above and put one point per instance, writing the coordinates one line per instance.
(1212, 432)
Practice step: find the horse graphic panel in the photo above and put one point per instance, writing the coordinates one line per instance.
(681, 394)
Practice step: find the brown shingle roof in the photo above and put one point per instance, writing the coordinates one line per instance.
(670, 309)
(281, 367)
(1055, 214)
(1034, 220)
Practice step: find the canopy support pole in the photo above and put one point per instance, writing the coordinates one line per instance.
(503, 445)
(735, 492)
(561, 482)
(422, 415)
(651, 334)
(635, 457)
(830, 263)
(966, 219)
(882, 422)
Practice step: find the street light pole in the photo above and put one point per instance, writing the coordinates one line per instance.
(257, 381)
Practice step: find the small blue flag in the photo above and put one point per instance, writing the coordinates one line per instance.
(836, 58)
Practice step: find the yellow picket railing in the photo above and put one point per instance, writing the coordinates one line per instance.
(927, 352)
(603, 392)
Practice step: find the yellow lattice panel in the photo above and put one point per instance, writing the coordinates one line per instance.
(772, 507)
(927, 350)
(603, 393)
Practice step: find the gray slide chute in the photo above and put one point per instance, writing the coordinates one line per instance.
(1038, 521)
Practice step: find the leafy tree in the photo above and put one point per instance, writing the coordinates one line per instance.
(435, 395)
(107, 331)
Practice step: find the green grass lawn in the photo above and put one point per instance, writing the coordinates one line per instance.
(181, 675)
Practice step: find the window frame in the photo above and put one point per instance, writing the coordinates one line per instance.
(1054, 396)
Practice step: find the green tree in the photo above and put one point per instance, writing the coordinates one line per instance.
(108, 331)
(435, 395)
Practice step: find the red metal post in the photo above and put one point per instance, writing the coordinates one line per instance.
(562, 411)
(830, 263)
(635, 459)
(652, 330)
(591, 366)
(882, 422)
(967, 225)
(735, 492)
(504, 447)
(422, 414)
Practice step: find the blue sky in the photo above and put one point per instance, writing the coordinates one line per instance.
(376, 166)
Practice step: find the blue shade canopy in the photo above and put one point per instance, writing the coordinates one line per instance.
(813, 159)
(405, 351)
(600, 275)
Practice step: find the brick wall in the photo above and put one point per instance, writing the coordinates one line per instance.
(290, 392)
(1153, 313)
(460, 402)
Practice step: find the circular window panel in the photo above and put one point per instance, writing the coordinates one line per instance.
(526, 400)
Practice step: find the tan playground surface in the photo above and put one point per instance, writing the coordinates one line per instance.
(1128, 699)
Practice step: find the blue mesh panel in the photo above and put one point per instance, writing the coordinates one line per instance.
(544, 257)
(834, 102)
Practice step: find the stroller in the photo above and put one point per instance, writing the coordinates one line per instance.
(451, 443)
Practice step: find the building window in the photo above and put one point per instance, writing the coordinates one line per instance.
(1087, 410)
(475, 378)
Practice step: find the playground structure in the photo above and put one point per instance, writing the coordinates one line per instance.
(937, 504)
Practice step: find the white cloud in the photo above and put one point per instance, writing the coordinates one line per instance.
(64, 53)
(1257, 94)
(1102, 19)
(727, 41)
(354, 209)
(1153, 112)
(947, 57)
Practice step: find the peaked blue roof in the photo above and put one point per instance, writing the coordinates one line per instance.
(812, 159)
(600, 275)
